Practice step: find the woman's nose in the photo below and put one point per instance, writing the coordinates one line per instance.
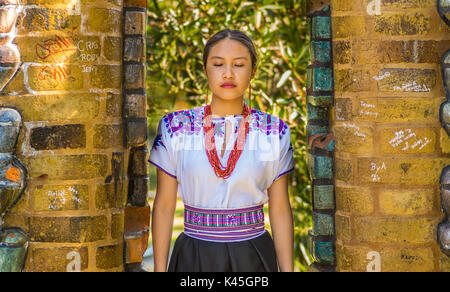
(228, 72)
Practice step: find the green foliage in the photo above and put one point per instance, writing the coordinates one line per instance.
(177, 33)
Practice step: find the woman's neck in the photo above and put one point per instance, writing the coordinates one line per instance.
(221, 107)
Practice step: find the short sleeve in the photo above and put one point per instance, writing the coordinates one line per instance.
(161, 154)
(286, 162)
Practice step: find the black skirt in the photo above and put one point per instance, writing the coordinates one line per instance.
(195, 255)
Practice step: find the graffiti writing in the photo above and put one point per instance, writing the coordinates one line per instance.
(53, 46)
(56, 75)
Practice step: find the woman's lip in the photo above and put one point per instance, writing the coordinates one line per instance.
(228, 86)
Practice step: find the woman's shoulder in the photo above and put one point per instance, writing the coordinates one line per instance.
(269, 124)
(182, 121)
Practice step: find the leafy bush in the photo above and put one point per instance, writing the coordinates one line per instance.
(177, 33)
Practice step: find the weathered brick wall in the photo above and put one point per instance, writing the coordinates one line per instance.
(69, 92)
(390, 146)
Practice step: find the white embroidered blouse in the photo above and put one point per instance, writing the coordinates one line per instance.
(178, 150)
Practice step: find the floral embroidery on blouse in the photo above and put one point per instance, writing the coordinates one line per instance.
(190, 122)
(158, 142)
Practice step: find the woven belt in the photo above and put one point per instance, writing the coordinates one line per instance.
(224, 225)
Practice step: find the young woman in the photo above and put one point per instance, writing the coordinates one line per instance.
(226, 161)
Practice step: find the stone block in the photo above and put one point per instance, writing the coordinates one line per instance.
(407, 80)
(135, 76)
(320, 27)
(136, 132)
(55, 77)
(320, 79)
(110, 256)
(55, 259)
(320, 51)
(324, 252)
(348, 26)
(404, 170)
(68, 229)
(323, 197)
(408, 140)
(396, 110)
(135, 106)
(352, 80)
(62, 107)
(343, 169)
(108, 136)
(138, 191)
(135, 23)
(134, 50)
(404, 202)
(57, 137)
(104, 20)
(60, 197)
(322, 224)
(112, 48)
(354, 139)
(342, 52)
(106, 76)
(354, 200)
(67, 167)
(320, 166)
(110, 196)
(401, 24)
(396, 230)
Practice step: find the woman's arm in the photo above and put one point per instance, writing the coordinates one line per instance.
(162, 218)
(281, 222)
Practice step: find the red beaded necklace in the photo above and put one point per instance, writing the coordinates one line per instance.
(210, 143)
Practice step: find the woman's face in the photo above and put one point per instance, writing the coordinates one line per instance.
(229, 69)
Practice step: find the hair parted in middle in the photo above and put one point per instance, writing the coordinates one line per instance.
(236, 35)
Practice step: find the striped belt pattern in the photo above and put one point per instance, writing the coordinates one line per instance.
(224, 225)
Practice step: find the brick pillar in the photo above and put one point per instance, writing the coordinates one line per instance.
(69, 92)
(390, 147)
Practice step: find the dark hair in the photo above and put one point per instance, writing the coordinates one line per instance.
(236, 35)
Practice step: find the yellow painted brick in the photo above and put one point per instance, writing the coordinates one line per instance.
(401, 259)
(104, 20)
(352, 258)
(346, 26)
(398, 24)
(60, 197)
(67, 167)
(343, 227)
(106, 76)
(406, 202)
(109, 256)
(396, 110)
(444, 263)
(342, 5)
(48, 19)
(54, 259)
(63, 107)
(407, 260)
(343, 169)
(59, 48)
(407, 140)
(353, 138)
(55, 77)
(401, 230)
(444, 141)
(354, 200)
(351, 80)
(401, 170)
(407, 80)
